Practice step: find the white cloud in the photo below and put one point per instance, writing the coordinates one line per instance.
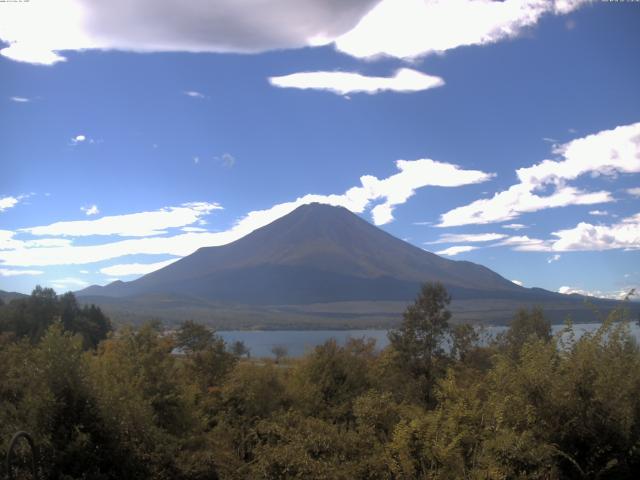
(78, 139)
(583, 237)
(468, 237)
(569, 290)
(398, 188)
(38, 32)
(6, 272)
(8, 242)
(518, 199)
(599, 213)
(67, 283)
(451, 251)
(125, 269)
(634, 191)
(342, 83)
(413, 28)
(91, 210)
(514, 226)
(130, 225)
(85, 272)
(524, 243)
(518, 282)
(613, 295)
(8, 202)
(553, 258)
(196, 160)
(194, 94)
(20, 99)
(391, 191)
(604, 153)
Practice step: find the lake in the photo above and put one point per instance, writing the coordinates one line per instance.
(298, 342)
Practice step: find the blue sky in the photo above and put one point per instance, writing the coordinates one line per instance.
(504, 133)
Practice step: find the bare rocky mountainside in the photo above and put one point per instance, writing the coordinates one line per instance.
(319, 266)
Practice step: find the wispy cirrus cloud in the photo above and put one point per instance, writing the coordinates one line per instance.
(554, 258)
(20, 99)
(604, 153)
(130, 225)
(126, 269)
(457, 249)
(514, 226)
(10, 272)
(194, 94)
(468, 237)
(343, 83)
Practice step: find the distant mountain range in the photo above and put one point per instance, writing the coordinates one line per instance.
(6, 297)
(319, 266)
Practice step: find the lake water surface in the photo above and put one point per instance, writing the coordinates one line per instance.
(298, 342)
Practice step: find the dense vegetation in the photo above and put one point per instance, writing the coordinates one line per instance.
(437, 403)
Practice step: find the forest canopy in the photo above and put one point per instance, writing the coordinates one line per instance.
(145, 403)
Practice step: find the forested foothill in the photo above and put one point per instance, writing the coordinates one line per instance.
(439, 402)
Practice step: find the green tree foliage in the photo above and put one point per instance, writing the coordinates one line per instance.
(32, 316)
(419, 340)
(326, 382)
(207, 360)
(150, 404)
(526, 325)
(45, 390)
(193, 337)
(239, 349)
(279, 352)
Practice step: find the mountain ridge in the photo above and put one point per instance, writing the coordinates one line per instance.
(324, 238)
(317, 254)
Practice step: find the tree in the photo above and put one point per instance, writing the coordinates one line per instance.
(280, 352)
(239, 349)
(326, 382)
(206, 355)
(193, 337)
(526, 326)
(464, 338)
(419, 339)
(30, 317)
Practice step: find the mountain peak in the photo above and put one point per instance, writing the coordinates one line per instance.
(316, 253)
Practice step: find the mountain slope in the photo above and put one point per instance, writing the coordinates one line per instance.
(322, 263)
(6, 297)
(317, 253)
